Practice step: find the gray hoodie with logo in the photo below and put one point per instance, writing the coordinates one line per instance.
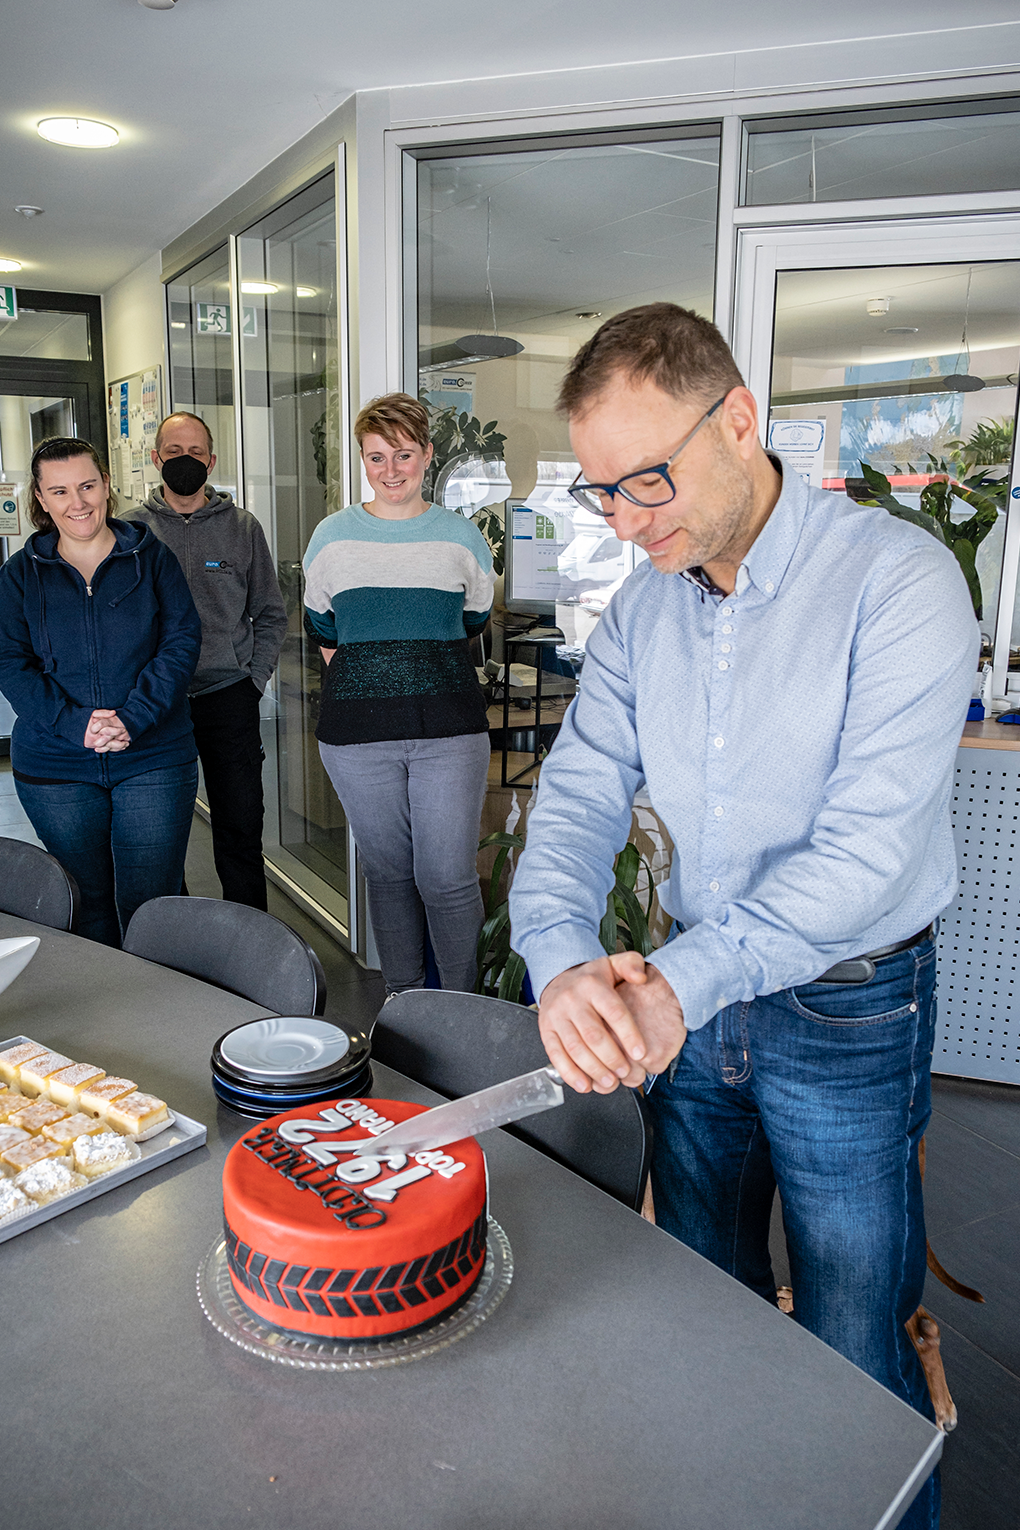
(227, 563)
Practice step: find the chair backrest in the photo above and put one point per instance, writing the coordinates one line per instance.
(456, 1043)
(232, 946)
(34, 885)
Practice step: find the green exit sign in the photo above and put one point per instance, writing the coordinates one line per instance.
(8, 303)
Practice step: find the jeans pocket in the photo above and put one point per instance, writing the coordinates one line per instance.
(874, 1003)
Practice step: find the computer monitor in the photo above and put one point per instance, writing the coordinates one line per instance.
(556, 553)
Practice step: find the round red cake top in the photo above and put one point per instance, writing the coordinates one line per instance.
(292, 1192)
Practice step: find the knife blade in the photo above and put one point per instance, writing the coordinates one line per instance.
(496, 1106)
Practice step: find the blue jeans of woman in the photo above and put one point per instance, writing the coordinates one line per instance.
(825, 1091)
(123, 844)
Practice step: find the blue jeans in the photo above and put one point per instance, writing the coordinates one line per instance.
(825, 1091)
(122, 844)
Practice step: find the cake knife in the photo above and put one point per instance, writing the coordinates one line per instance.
(510, 1101)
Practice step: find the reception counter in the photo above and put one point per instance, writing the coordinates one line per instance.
(979, 988)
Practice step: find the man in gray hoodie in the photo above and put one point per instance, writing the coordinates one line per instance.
(227, 563)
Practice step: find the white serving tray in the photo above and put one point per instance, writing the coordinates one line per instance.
(180, 1138)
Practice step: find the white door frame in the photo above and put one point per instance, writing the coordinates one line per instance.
(763, 252)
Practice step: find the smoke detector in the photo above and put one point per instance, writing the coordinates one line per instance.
(877, 308)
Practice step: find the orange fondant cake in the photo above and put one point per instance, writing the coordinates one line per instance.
(328, 1244)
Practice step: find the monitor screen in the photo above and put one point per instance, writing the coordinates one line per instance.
(559, 553)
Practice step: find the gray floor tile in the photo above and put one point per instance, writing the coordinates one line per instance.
(967, 1178)
(991, 1110)
(985, 1255)
(979, 1489)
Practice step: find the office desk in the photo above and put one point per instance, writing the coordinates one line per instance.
(623, 1383)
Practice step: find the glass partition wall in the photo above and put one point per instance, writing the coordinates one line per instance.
(283, 348)
(521, 255)
(200, 346)
(286, 267)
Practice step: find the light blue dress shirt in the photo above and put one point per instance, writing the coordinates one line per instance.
(798, 740)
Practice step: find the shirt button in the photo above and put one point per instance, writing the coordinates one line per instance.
(713, 886)
(727, 611)
(727, 627)
(769, 586)
(717, 811)
(727, 648)
(723, 664)
(718, 742)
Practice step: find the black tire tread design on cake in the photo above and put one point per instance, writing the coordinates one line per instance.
(357, 1293)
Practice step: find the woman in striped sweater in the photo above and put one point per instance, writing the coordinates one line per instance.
(394, 588)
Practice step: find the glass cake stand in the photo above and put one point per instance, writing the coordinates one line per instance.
(235, 1322)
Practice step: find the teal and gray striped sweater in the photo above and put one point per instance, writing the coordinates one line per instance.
(398, 601)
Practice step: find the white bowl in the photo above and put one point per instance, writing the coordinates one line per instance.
(15, 956)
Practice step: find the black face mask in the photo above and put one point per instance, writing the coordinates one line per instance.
(183, 475)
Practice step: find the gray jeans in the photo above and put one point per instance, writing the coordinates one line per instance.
(415, 806)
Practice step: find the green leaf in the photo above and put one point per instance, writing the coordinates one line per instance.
(876, 481)
(917, 518)
(607, 929)
(628, 864)
(512, 981)
(631, 912)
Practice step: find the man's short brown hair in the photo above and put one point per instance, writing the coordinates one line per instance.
(183, 414)
(394, 416)
(679, 351)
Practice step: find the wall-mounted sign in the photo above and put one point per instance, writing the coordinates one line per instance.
(10, 520)
(801, 443)
(214, 319)
(8, 303)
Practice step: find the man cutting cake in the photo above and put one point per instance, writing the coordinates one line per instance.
(788, 674)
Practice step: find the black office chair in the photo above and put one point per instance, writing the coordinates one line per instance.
(34, 885)
(234, 947)
(456, 1043)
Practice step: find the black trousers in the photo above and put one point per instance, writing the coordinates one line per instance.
(229, 744)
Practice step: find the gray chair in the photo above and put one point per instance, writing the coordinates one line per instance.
(34, 885)
(456, 1043)
(231, 946)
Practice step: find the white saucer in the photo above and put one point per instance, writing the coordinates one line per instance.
(284, 1047)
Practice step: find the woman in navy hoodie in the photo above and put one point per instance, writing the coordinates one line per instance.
(98, 640)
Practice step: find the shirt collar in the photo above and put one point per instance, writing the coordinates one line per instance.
(769, 556)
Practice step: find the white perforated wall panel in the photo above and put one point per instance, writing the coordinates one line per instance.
(978, 1033)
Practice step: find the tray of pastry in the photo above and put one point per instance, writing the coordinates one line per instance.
(69, 1132)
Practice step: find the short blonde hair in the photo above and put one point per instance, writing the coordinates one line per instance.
(392, 416)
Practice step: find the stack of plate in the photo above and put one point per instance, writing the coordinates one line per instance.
(268, 1066)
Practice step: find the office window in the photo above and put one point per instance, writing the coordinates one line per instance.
(912, 152)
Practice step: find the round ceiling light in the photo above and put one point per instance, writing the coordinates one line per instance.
(265, 288)
(78, 132)
(9, 265)
(28, 210)
(304, 291)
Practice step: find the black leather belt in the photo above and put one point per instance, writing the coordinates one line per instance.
(861, 969)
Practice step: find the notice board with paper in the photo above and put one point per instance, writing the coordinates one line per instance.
(134, 408)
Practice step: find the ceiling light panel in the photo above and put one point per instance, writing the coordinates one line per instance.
(9, 265)
(78, 132)
(263, 288)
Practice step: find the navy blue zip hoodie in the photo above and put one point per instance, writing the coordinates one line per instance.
(131, 644)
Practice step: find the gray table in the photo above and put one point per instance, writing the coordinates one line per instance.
(624, 1383)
